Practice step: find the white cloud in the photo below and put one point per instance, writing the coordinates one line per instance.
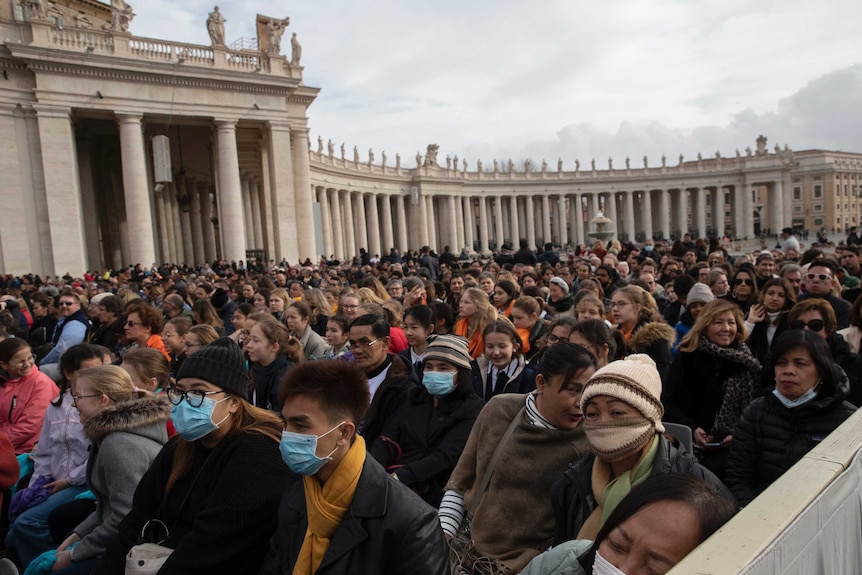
(564, 78)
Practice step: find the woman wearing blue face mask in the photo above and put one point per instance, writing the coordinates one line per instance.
(777, 430)
(421, 446)
(217, 485)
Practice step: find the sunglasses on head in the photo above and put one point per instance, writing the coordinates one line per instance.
(821, 277)
(813, 325)
(740, 281)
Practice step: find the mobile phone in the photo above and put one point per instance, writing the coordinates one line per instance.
(712, 444)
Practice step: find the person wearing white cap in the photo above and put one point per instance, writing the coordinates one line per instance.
(698, 296)
(622, 411)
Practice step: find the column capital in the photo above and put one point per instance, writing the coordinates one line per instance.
(52, 111)
(225, 123)
(129, 117)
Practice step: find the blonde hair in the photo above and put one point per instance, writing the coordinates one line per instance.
(716, 307)
(638, 295)
(205, 333)
(485, 312)
(367, 295)
(149, 363)
(111, 380)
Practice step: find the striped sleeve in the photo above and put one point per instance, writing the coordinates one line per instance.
(452, 512)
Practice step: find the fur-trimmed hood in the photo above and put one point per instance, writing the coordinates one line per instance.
(145, 417)
(647, 334)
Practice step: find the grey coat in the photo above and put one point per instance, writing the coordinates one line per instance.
(126, 439)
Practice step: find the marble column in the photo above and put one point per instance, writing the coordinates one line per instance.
(185, 219)
(373, 225)
(162, 226)
(531, 222)
(135, 184)
(167, 192)
(401, 211)
(246, 211)
(17, 239)
(592, 211)
(387, 224)
(469, 223)
(195, 223)
(629, 199)
(513, 221)
(432, 222)
(646, 214)
(459, 226)
(776, 207)
(337, 228)
(452, 223)
(561, 218)
(176, 221)
(580, 236)
(326, 220)
(305, 233)
(748, 210)
(484, 238)
(231, 222)
(281, 192)
(499, 235)
(421, 210)
(256, 220)
(546, 219)
(718, 211)
(207, 230)
(664, 213)
(267, 209)
(682, 211)
(699, 211)
(349, 231)
(361, 221)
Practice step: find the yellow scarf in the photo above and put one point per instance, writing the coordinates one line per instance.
(326, 505)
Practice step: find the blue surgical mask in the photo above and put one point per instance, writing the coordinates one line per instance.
(439, 382)
(801, 400)
(192, 423)
(299, 451)
(648, 248)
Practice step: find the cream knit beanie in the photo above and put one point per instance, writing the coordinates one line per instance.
(634, 380)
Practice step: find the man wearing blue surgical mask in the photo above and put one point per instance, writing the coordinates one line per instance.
(347, 515)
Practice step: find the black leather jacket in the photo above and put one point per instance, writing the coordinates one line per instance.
(387, 530)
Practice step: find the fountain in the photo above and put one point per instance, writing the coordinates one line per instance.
(603, 232)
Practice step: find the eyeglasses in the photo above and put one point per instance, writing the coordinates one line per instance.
(131, 323)
(77, 398)
(619, 304)
(741, 281)
(66, 303)
(813, 325)
(821, 277)
(193, 397)
(363, 342)
(349, 307)
(554, 339)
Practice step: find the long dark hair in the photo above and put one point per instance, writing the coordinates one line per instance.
(712, 507)
(816, 347)
(71, 361)
(565, 359)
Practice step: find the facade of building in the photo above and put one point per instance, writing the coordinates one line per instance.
(117, 149)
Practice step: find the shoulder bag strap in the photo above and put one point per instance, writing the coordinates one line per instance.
(498, 451)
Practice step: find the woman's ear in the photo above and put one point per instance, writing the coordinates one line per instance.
(540, 383)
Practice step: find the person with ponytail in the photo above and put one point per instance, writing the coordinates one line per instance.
(272, 351)
(60, 460)
(217, 485)
(126, 427)
(622, 411)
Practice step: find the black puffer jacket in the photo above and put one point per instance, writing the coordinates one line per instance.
(572, 496)
(431, 439)
(770, 438)
(387, 529)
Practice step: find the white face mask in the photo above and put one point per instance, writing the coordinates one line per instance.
(601, 566)
(801, 400)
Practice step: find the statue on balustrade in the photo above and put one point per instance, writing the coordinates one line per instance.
(748, 151)
(370, 156)
(295, 50)
(761, 145)
(455, 162)
(330, 147)
(383, 159)
(663, 161)
(35, 9)
(274, 31)
(496, 166)
(418, 159)
(699, 157)
(511, 166)
(544, 166)
(559, 164)
(628, 163)
(479, 166)
(121, 15)
(355, 154)
(448, 162)
(593, 164)
(431, 155)
(717, 155)
(738, 155)
(646, 162)
(319, 145)
(465, 166)
(577, 165)
(343, 152)
(397, 161)
(681, 158)
(215, 26)
(610, 163)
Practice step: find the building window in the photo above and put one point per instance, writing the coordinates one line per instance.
(797, 193)
(818, 207)
(726, 214)
(818, 191)
(818, 222)
(797, 209)
(846, 190)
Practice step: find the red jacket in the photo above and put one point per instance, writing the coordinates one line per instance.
(23, 403)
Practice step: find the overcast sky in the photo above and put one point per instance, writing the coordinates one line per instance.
(562, 78)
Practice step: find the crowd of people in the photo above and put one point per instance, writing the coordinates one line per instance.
(525, 413)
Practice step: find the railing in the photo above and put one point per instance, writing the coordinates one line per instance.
(171, 51)
(82, 39)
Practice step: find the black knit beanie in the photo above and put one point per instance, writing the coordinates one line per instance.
(220, 363)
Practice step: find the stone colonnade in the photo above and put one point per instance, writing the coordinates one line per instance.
(378, 221)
